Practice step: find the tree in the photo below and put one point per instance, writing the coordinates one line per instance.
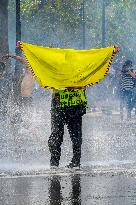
(18, 68)
(5, 83)
(4, 48)
(59, 21)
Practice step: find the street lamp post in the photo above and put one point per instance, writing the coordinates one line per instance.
(103, 24)
(83, 23)
(18, 69)
(18, 23)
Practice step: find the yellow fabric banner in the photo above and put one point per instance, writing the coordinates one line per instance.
(61, 68)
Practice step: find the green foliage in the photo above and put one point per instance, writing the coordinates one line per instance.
(68, 12)
(28, 6)
(121, 26)
(60, 21)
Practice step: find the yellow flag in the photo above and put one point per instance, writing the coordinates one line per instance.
(61, 68)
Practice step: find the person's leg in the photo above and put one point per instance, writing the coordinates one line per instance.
(129, 104)
(121, 109)
(75, 130)
(56, 137)
(133, 102)
(121, 105)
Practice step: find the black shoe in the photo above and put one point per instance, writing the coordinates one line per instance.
(73, 165)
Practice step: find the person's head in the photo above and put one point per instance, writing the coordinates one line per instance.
(2, 68)
(127, 66)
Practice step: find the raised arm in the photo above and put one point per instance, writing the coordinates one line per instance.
(18, 58)
(28, 78)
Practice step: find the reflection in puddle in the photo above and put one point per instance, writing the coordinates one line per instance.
(55, 191)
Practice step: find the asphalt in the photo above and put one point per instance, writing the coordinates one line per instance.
(99, 188)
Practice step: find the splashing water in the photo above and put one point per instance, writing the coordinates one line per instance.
(107, 142)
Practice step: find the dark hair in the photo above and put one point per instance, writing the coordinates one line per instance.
(127, 64)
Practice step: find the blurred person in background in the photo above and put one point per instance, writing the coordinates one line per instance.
(127, 87)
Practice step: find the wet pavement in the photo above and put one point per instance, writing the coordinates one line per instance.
(108, 176)
(72, 189)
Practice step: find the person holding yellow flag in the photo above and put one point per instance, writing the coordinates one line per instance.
(68, 72)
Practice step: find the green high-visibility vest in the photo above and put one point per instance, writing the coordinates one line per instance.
(71, 97)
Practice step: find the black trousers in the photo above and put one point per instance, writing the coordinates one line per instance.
(128, 99)
(72, 117)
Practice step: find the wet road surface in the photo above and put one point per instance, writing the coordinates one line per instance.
(73, 189)
(108, 149)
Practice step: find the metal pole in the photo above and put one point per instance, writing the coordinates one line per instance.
(18, 24)
(103, 24)
(18, 69)
(83, 23)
